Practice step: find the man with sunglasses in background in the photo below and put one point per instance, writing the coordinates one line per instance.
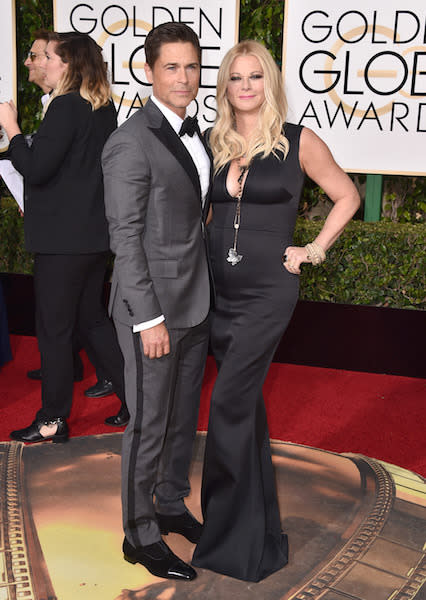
(35, 61)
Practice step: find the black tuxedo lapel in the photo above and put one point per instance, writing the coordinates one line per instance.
(167, 136)
(207, 147)
(204, 139)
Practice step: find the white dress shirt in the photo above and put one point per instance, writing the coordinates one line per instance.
(201, 160)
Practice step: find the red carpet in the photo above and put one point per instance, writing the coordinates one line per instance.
(381, 416)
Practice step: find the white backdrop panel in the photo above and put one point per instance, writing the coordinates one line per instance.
(121, 28)
(8, 59)
(355, 73)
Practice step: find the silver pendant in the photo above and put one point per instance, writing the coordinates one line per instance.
(233, 257)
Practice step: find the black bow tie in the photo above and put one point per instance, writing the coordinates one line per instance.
(189, 126)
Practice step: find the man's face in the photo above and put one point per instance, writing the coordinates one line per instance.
(35, 63)
(175, 76)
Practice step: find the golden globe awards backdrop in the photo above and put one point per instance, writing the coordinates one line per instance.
(355, 73)
(8, 60)
(121, 28)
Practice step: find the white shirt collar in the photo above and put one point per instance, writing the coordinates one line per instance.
(45, 98)
(193, 144)
(174, 119)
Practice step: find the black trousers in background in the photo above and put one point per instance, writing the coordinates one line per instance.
(68, 292)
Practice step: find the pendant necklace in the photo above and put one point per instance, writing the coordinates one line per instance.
(233, 256)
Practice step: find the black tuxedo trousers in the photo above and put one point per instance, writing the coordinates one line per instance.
(68, 292)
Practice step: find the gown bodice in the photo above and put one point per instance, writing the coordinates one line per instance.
(270, 180)
(271, 192)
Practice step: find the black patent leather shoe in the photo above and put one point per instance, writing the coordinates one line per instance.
(102, 388)
(185, 524)
(120, 419)
(36, 375)
(159, 560)
(33, 433)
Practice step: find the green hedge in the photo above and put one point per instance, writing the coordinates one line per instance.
(379, 264)
(13, 257)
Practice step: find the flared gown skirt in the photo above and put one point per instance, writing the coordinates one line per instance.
(255, 300)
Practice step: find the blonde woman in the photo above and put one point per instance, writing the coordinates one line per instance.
(260, 162)
(65, 224)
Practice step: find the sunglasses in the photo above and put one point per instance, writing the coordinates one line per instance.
(33, 55)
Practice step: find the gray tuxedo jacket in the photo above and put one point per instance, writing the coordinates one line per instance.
(156, 224)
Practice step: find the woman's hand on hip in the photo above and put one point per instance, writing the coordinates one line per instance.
(293, 257)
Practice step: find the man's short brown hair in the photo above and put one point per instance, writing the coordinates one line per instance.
(168, 33)
(41, 34)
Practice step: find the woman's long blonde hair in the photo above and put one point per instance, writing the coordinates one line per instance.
(226, 143)
(87, 71)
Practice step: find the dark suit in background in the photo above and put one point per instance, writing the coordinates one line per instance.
(65, 227)
(153, 204)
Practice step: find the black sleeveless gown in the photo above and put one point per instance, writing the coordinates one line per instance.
(255, 300)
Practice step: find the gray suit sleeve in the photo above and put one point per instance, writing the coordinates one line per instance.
(127, 191)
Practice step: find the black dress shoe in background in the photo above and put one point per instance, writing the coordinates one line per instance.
(159, 560)
(36, 374)
(185, 524)
(120, 419)
(102, 388)
(32, 433)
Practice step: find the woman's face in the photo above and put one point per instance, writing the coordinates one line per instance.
(245, 90)
(54, 66)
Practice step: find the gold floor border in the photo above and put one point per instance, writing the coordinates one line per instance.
(23, 572)
(360, 541)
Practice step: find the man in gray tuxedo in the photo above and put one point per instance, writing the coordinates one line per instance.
(156, 174)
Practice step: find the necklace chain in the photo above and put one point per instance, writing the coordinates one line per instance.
(233, 256)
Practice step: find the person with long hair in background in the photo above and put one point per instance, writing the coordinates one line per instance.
(260, 162)
(65, 224)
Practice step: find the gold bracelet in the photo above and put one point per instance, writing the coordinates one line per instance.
(315, 253)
